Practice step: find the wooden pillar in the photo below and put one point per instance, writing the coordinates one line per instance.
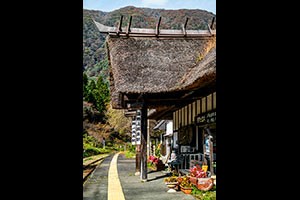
(148, 139)
(144, 143)
(138, 159)
(211, 155)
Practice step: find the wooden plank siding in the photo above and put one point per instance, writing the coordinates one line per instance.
(174, 120)
(209, 102)
(186, 115)
(214, 100)
(179, 119)
(194, 111)
(198, 107)
(190, 114)
(203, 102)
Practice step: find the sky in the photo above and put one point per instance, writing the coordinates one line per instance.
(110, 5)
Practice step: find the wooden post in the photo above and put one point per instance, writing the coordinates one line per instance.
(211, 155)
(148, 139)
(138, 159)
(144, 143)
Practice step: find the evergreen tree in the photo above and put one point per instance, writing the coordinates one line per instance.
(96, 93)
(92, 85)
(85, 86)
(103, 89)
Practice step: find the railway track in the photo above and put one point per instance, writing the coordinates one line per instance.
(89, 168)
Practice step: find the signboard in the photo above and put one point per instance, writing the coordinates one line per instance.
(133, 131)
(138, 127)
(206, 118)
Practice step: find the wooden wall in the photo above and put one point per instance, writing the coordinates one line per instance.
(186, 115)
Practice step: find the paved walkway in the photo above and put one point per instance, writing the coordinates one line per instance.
(114, 179)
(153, 189)
(114, 186)
(96, 186)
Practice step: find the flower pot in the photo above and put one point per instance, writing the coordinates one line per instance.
(158, 166)
(171, 184)
(205, 184)
(194, 180)
(186, 190)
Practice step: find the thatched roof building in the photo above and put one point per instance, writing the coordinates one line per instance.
(158, 66)
(162, 69)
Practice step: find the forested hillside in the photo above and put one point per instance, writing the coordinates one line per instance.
(94, 53)
(99, 119)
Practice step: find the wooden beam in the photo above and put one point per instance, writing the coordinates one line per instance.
(130, 113)
(135, 105)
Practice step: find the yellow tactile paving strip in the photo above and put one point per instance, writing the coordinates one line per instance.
(115, 191)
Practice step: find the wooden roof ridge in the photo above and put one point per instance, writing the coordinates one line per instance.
(157, 32)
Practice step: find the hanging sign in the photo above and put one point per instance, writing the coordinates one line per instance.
(138, 127)
(133, 131)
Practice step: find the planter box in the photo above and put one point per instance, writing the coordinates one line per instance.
(205, 184)
(186, 190)
(194, 180)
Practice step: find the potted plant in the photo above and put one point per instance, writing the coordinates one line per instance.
(185, 185)
(196, 172)
(156, 163)
(171, 183)
(172, 180)
(205, 184)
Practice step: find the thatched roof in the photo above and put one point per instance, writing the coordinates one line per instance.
(153, 65)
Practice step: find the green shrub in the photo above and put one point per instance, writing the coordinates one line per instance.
(204, 195)
(129, 154)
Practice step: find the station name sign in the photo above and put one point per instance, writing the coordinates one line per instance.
(136, 129)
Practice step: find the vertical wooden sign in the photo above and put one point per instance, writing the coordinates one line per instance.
(133, 131)
(138, 127)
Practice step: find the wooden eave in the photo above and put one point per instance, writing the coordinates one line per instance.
(166, 103)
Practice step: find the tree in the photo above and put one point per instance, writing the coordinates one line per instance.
(103, 89)
(96, 93)
(85, 86)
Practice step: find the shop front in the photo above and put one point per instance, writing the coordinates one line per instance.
(195, 134)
